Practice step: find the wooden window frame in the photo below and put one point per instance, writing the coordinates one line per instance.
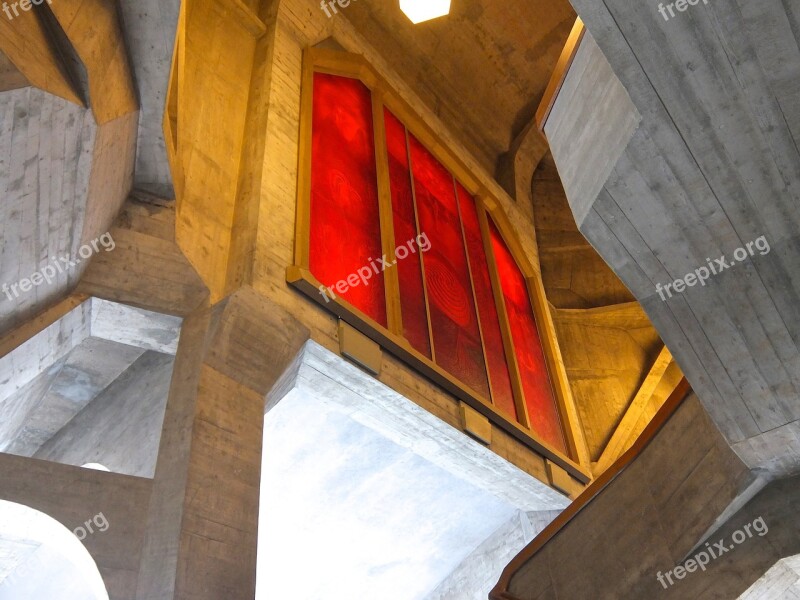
(299, 276)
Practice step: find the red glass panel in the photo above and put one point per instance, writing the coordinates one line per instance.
(542, 411)
(502, 393)
(409, 269)
(456, 338)
(345, 222)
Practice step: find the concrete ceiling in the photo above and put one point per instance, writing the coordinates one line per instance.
(483, 69)
(63, 177)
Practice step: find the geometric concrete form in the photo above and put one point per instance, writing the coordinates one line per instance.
(366, 495)
(343, 388)
(63, 390)
(149, 29)
(40, 558)
(475, 577)
(72, 496)
(63, 179)
(677, 141)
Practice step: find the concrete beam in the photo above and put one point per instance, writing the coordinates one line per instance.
(146, 269)
(667, 157)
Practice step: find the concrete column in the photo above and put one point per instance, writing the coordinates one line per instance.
(201, 536)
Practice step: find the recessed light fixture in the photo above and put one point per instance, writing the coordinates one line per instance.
(424, 10)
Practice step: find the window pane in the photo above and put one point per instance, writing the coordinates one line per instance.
(456, 339)
(502, 393)
(539, 400)
(409, 270)
(345, 223)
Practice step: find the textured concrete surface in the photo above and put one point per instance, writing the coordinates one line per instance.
(74, 495)
(63, 390)
(477, 574)
(45, 162)
(374, 519)
(149, 30)
(713, 165)
(351, 391)
(781, 582)
(121, 427)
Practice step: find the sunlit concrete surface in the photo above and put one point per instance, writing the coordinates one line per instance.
(352, 509)
(41, 559)
(781, 582)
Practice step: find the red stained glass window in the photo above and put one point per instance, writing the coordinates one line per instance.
(456, 337)
(409, 270)
(542, 411)
(345, 222)
(502, 392)
(447, 299)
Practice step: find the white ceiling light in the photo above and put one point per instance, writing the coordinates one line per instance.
(424, 10)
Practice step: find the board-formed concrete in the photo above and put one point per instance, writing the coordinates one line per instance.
(781, 582)
(678, 143)
(351, 391)
(149, 29)
(654, 517)
(63, 389)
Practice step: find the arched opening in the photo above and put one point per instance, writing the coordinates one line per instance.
(40, 558)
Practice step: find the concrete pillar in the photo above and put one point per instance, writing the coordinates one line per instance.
(201, 536)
